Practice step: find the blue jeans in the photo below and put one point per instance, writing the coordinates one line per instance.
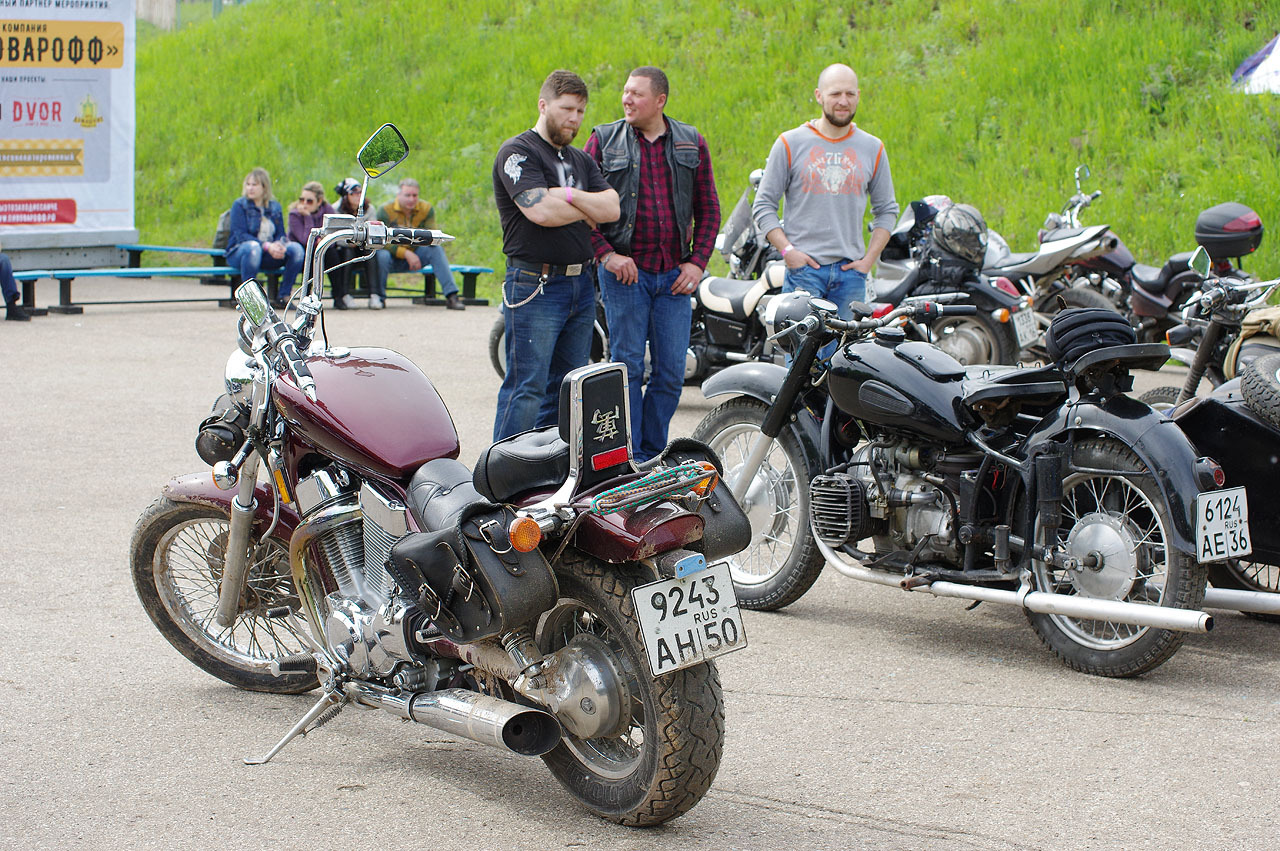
(545, 338)
(250, 259)
(832, 283)
(8, 286)
(432, 257)
(647, 312)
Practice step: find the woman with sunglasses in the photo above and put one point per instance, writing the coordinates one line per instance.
(306, 213)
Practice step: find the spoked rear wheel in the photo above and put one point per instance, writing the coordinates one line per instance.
(1113, 512)
(664, 752)
(178, 554)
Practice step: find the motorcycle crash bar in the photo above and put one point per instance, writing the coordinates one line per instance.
(480, 718)
(1043, 602)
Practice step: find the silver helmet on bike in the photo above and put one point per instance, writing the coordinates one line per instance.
(961, 231)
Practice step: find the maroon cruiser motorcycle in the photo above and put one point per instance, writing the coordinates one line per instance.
(558, 601)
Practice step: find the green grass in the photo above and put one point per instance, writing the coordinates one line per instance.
(992, 102)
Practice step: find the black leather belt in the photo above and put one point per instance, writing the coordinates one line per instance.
(547, 269)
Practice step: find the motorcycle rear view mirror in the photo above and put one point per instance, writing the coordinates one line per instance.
(1200, 262)
(384, 150)
(253, 302)
(1082, 173)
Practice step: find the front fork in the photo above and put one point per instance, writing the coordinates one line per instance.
(775, 419)
(243, 508)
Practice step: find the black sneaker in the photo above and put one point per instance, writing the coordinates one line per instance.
(452, 302)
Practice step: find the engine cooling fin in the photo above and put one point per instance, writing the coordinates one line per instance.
(838, 506)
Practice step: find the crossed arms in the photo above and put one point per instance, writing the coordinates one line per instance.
(550, 207)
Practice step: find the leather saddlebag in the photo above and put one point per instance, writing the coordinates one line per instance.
(470, 581)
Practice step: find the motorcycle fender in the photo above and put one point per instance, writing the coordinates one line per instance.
(986, 296)
(762, 381)
(199, 489)
(1157, 440)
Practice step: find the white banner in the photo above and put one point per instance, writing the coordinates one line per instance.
(66, 122)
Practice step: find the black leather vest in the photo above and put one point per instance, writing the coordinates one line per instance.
(620, 162)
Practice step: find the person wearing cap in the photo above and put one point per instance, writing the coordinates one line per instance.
(351, 203)
(407, 210)
(549, 196)
(826, 173)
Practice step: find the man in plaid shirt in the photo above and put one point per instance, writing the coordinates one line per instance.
(652, 258)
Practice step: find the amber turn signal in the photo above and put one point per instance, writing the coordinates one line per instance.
(524, 534)
(707, 485)
(1002, 315)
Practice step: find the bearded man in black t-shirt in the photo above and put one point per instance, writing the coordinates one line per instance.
(549, 195)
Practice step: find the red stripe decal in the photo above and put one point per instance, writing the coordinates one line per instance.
(607, 459)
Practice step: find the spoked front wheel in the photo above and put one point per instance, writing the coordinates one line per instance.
(782, 561)
(1114, 519)
(178, 554)
(662, 752)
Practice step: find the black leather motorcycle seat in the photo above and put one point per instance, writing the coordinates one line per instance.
(1153, 279)
(902, 289)
(532, 460)
(440, 492)
(1147, 276)
(1042, 383)
(730, 296)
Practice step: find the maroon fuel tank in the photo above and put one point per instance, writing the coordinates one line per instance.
(374, 409)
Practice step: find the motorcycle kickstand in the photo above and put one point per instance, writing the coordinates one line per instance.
(328, 706)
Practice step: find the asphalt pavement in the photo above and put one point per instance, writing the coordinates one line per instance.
(859, 717)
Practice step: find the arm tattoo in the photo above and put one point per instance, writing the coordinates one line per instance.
(531, 197)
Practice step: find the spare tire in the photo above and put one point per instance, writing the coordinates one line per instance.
(1260, 387)
(1080, 330)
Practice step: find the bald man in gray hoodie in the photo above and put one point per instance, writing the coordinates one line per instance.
(827, 172)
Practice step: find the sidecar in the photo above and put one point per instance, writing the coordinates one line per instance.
(1223, 427)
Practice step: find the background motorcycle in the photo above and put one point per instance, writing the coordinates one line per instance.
(1210, 338)
(916, 265)
(505, 607)
(1046, 488)
(1152, 296)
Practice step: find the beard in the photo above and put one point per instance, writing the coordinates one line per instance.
(840, 122)
(560, 134)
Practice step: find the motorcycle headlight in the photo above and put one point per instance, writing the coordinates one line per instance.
(238, 377)
(780, 311)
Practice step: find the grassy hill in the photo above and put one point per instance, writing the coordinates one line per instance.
(993, 102)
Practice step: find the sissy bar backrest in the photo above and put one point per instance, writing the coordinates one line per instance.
(595, 420)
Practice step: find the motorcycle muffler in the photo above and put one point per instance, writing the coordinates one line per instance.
(480, 718)
(1043, 602)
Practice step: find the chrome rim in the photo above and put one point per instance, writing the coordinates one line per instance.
(772, 504)
(1112, 520)
(188, 566)
(612, 757)
(966, 341)
(1254, 576)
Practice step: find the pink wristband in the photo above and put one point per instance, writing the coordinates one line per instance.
(568, 194)
(787, 248)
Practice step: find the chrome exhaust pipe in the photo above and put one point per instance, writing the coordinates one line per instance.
(480, 718)
(1265, 602)
(1043, 602)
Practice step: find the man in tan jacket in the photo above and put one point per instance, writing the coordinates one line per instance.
(409, 211)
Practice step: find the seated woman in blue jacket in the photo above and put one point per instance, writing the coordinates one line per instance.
(258, 238)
